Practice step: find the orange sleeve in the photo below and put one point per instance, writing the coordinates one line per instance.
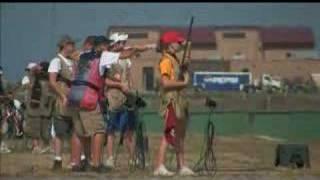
(165, 67)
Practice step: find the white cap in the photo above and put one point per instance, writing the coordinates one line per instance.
(123, 37)
(31, 65)
(116, 37)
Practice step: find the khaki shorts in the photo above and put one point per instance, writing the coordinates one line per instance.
(37, 127)
(64, 126)
(90, 123)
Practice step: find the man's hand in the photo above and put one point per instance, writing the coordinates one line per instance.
(186, 78)
(64, 100)
(184, 67)
(124, 88)
(145, 47)
(151, 46)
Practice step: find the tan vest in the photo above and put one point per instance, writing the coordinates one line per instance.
(125, 70)
(116, 98)
(46, 99)
(59, 109)
(177, 98)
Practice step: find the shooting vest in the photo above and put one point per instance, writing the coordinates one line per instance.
(116, 98)
(43, 104)
(64, 79)
(125, 70)
(178, 99)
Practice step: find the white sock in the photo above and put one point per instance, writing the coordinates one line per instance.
(58, 158)
(83, 157)
(162, 167)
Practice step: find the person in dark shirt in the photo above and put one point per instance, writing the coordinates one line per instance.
(88, 48)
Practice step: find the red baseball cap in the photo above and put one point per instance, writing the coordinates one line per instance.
(171, 37)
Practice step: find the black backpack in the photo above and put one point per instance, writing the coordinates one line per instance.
(36, 93)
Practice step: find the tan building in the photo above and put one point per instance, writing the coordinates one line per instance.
(287, 52)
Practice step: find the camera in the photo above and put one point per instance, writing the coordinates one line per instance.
(140, 103)
(135, 101)
(210, 103)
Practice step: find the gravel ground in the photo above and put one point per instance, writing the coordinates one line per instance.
(237, 158)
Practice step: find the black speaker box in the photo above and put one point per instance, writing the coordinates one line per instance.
(292, 155)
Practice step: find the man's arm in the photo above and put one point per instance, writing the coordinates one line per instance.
(54, 85)
(168, 84)
(128, 53)
(129, 78)
(116, 84)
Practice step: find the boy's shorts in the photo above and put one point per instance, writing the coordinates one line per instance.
(37, 127)
(91, 122)
(120, 120)
(62, 126)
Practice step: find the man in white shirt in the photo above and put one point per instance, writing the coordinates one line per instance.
(61, 71)
(118, 58)
(26, 79)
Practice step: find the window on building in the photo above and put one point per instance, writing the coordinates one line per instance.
(148, 78)
(234, 35)
(238, 55)
(138, 35)
(203, 46)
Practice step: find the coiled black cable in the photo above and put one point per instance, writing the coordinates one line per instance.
(141, 147)
(207, 161)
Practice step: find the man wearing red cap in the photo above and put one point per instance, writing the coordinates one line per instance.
(172, 103)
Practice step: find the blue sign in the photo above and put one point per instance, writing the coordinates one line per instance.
(221, 81)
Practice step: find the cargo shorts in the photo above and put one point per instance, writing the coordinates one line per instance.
(64, 126)
(90, 122)
(37, 127)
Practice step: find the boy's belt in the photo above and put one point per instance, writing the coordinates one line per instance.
(85, 83)
(65, 80)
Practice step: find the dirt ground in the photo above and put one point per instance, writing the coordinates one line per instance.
(237, 158)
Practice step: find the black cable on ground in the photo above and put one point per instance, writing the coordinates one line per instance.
(207, 161)
(139, 154)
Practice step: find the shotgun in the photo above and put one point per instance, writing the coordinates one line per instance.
(187, 51)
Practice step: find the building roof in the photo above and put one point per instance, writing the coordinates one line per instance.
(200, 35)
(272, 37)
(291, 37)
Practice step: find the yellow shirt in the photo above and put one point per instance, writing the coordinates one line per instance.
(166, 66)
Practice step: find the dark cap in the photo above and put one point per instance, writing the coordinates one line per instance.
(44, 65)
(90, 40)
(64, 41)
(101, 40)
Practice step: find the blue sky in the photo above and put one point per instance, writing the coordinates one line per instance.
(29, 31)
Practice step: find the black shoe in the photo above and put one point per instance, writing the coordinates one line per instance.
(100, 169)
(57, 165)
(84, 164)
(77, 168)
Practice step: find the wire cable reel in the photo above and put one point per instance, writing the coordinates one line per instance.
(141, 157)
(135, 103)
(207, 162)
